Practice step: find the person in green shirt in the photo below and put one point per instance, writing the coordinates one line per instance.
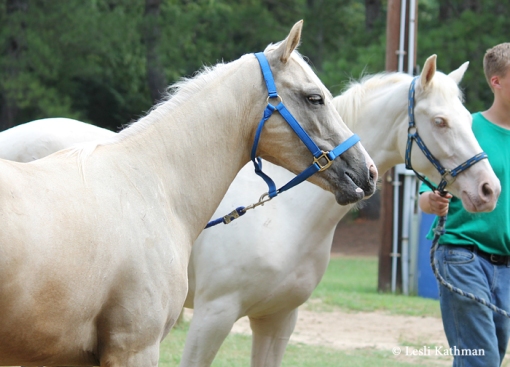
(474, 252)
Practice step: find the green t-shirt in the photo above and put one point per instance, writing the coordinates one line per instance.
(489, 231)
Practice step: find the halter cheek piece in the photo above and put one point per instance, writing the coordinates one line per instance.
(447, 176)
(321, 160)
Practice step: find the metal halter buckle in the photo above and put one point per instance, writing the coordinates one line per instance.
(324, 155)
(445, 175)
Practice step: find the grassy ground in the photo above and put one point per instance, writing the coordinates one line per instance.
(349, 284)
(235, 352)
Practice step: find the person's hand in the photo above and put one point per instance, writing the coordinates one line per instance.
(439, 204)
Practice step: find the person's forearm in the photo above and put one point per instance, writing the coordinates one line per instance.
(424, 202)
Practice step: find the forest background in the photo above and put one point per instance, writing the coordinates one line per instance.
(107, 62)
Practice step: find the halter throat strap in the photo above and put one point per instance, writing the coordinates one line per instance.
(447, 176)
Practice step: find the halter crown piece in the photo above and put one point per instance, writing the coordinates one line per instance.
(321, 160)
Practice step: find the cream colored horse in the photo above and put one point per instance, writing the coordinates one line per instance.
(268, 262)
(95, 242)
(39, 138)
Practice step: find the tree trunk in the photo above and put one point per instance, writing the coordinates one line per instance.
(151, 35)
(372, 13)
(15, 46)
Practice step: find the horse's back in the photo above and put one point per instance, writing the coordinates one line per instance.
(37, 139)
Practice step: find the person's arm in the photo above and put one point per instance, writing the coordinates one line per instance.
(431, 202)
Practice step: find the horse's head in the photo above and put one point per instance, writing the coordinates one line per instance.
(351, 176)
(444, 125)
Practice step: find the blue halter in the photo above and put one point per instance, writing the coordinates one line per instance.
(412, 135)
(321, 161)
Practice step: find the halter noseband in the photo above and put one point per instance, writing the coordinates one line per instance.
(321, 160)
(412, 134)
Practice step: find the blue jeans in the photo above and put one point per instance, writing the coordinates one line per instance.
(470, 327)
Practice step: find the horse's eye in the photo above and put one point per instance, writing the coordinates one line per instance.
(439, 121)
(315, 99)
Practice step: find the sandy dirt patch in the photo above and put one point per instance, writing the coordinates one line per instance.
(346, 330)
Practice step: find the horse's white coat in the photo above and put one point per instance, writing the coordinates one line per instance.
(39, 138)
(95, 241)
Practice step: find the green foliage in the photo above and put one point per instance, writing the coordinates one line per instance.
(465, 37)
(87, 59)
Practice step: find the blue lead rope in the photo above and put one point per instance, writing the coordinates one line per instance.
(322, 160)
(438, 232)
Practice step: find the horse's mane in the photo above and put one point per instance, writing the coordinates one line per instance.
(357, 92)
(176, 94)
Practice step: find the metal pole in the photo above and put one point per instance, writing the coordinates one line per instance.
(385, 249)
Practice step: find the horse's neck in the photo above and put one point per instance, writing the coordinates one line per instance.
(379, 117)
(196, 147)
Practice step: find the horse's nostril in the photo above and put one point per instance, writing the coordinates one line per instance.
(487, 191)
(373, 173)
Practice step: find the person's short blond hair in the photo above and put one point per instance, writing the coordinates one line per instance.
(496, 61)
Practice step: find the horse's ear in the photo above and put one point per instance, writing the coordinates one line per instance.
(459, 73)
(290, 43)
(429, 69)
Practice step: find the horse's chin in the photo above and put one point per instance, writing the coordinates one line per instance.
(346, 197)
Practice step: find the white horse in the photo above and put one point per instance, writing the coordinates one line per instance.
(268, 262)
(39, 138)
(95, 242)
